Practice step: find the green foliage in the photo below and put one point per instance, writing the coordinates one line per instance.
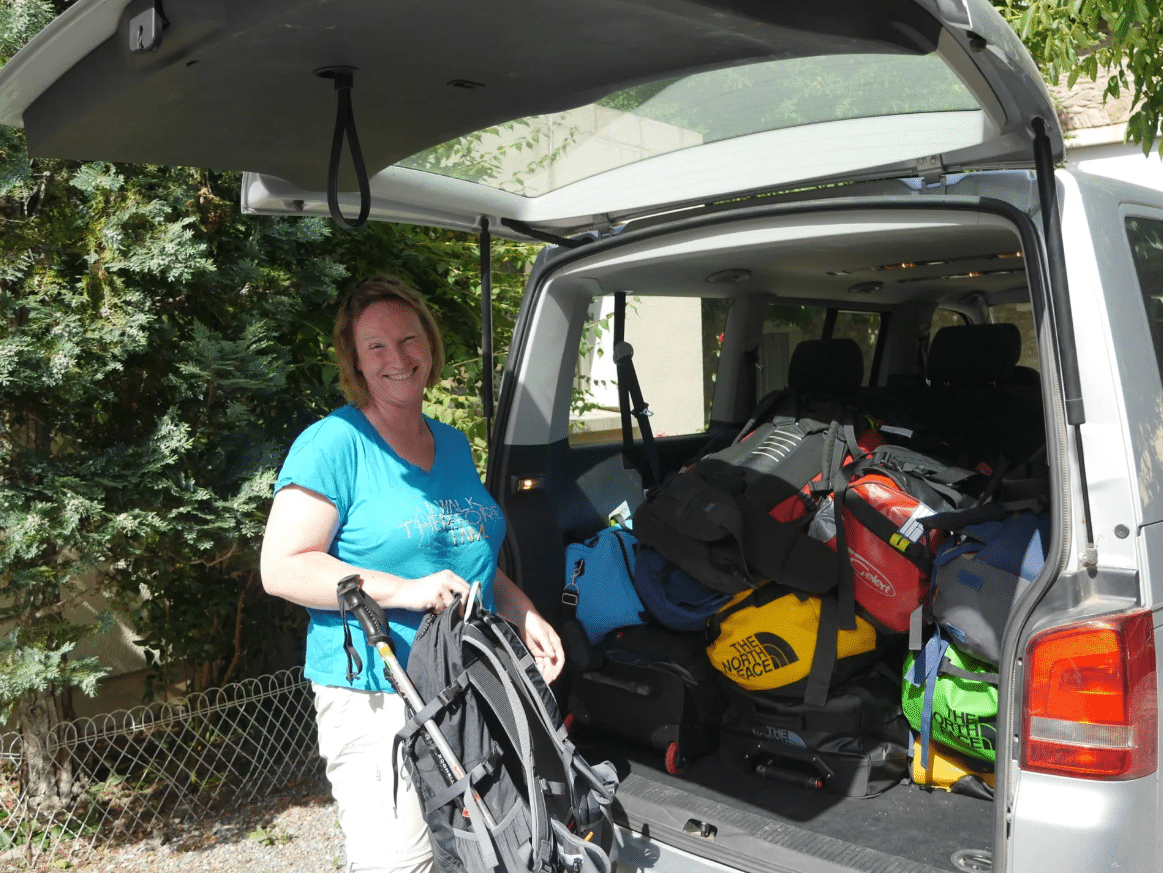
(29, 666)
(158, 354)
(271, 836)
(1081, 38)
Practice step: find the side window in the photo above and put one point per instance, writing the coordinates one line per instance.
(944, 318)
(1146, 238)
(676, 344)
(786, 326)
(1021, 314)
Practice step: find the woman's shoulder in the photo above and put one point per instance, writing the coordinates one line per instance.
(345, 424)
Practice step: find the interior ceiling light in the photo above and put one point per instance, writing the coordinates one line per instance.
(912, 265)
(974, 274)
(865, 287)
(733, 276)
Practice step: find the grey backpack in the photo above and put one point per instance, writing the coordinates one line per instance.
(528, 801)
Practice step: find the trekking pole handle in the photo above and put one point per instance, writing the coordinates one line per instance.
(354, 600)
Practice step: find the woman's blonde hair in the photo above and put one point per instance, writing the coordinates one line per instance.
(367, 291)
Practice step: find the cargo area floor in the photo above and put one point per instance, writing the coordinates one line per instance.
(760, 826)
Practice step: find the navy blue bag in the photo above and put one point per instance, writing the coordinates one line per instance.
(599, 578)
(674, 597)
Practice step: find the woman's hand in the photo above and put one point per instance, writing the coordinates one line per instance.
(544, 645)
(538, 635)
(435, 592)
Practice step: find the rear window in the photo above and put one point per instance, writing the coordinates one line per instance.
(537, 155)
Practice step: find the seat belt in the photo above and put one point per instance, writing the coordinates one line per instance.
(630, 401)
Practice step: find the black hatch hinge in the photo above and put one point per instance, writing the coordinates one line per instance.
(145, 28)
(931, 169)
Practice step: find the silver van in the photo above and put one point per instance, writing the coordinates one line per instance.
(749, 175)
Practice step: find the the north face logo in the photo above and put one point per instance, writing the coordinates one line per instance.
(757, 654)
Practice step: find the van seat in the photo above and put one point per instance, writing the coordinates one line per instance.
(974, 400)
(973, 356)
(833, 367)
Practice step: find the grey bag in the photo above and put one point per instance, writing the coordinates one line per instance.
(979, 573)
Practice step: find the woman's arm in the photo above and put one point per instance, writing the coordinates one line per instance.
(540, 638)
(296, 566)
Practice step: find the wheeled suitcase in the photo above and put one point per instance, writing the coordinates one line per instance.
(855, 744)
(653, 687)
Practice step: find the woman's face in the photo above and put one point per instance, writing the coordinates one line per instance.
(393, 353)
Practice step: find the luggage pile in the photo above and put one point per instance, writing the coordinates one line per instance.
(821, 600)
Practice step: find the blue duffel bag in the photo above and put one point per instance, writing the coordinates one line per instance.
(599, 574)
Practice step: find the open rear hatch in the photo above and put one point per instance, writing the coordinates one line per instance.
(562, 117)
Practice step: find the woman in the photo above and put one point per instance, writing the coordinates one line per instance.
(379, 489)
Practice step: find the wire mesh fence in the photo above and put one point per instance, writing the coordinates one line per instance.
(117, 777)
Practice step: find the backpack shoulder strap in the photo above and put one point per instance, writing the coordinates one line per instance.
(496, 689)
(596, 793)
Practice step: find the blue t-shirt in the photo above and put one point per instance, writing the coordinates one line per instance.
(395, 517)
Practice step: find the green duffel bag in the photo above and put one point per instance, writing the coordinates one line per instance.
(951, 697)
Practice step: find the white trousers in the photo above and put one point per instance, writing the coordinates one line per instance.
(381, 832)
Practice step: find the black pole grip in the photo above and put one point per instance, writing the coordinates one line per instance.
(370, 614)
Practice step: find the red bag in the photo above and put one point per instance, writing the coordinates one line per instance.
(890, 551)
(885, 493)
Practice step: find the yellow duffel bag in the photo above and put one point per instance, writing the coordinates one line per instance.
(774, 640)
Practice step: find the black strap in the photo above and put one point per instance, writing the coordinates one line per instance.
(354, 662)
(847, 589)
(950, 669)
(957, 520)
(824, 656)
(887, 532)
(630, 391)
(345, 126)
(487, 361)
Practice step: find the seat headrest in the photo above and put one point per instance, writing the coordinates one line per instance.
(829, 365)
(966, 355)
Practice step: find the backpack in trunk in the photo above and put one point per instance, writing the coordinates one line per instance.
(951, 697)
(600, 581)
(981, 571)
(714, 520)
(545, 809)
(673, 597)
(884, 496)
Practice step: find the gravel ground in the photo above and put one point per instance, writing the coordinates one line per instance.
(295, 832)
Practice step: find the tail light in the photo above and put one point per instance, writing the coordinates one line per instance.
(1091, 708)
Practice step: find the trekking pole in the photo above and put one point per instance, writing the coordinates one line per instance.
(352, 598)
